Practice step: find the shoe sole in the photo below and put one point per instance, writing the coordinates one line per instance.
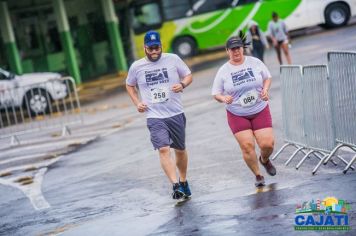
(260, 185)
(182, 201)
(181, 195)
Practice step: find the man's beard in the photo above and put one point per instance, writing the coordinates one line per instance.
(152, 59)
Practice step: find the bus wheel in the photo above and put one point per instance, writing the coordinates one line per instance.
(184, 47)
(337, 14)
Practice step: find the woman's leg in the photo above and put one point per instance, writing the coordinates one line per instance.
(265, 141)
(246, 141)
(285, 49)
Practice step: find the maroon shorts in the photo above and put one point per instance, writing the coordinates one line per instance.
(254, 122)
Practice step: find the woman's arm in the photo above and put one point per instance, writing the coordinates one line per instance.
(223, 99)
(266, 87)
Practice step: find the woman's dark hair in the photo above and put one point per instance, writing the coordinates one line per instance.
(274, 14)
(243, 38)
(257, 31)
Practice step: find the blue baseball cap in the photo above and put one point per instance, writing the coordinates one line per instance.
(152, 38)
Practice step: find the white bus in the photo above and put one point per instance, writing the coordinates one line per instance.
(187, 26)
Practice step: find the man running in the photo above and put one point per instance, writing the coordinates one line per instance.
(161, 77)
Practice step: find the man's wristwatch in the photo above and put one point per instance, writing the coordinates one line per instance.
(183, 85)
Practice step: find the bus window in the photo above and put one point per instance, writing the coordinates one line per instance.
(243, 2)
(204, 6)
(146, 17)
(175, 9)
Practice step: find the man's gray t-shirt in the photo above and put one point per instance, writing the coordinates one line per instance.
(155, 81)
(242, 82)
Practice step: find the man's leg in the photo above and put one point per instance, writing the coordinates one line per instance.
(247, 144)
(182, 163)
(161, 141)
(167, 164)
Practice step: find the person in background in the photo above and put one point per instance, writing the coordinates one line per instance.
(257, 39)
(280, 38)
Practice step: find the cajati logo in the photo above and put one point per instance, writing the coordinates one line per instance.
(327, 214)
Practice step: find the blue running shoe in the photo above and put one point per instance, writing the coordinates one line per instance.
(186, 189)
(178, 192)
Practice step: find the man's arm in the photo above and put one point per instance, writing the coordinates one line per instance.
(186, 81)
(131, 90)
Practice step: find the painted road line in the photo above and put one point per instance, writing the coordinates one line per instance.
(57, 145)
(28, 157)
(39, 165)
(34, 191)
(31, 185)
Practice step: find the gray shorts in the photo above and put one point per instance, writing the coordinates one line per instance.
(168, 131)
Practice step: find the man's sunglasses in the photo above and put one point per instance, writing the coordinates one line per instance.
(153, 48)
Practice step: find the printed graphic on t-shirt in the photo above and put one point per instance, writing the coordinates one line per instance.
(242, 76)
(158, 82)
(276, 30)
(157, 76)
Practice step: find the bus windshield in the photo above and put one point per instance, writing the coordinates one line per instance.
(146, 16)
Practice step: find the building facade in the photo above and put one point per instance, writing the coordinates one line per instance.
(80, 38)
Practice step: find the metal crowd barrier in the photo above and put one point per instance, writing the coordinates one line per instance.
(307, 113)
(38, 106)
(342, 66)
(293, 114)
(319, 129)
(292, 108)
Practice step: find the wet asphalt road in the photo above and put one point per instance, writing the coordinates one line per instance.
(115, 186)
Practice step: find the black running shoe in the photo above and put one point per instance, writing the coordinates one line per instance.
(178, 191)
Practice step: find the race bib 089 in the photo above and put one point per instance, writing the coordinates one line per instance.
(248, 99)
(159, 95)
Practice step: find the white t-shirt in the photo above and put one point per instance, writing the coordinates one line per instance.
(155, 81)
(244, 83)
(278, 30)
